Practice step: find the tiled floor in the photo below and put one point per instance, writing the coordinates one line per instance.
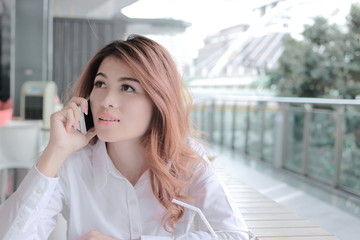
(334, 211)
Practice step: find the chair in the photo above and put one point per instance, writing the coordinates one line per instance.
(19, 148)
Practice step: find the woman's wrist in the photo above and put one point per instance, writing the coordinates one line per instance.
(51, 160)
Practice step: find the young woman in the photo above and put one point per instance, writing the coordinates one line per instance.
(133, 174)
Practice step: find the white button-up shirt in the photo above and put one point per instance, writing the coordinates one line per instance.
(93, 195)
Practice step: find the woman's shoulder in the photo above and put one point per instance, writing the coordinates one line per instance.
(201, 149)
(197, 146)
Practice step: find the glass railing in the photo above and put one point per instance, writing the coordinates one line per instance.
(317, 138)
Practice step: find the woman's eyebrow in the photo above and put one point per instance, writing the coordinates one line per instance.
(129, 79)
(120, 79)
(101, 74)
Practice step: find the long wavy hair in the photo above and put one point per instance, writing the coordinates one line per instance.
(170, 157)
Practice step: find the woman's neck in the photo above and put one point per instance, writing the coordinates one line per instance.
(129, 157)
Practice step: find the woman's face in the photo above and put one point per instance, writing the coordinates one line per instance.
(121, 108)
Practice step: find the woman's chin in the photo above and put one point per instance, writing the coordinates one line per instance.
(106, 138)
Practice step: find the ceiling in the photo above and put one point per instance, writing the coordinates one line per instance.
(107, 9)
(89, 8)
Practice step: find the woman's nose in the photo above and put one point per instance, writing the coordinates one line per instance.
(110, 100)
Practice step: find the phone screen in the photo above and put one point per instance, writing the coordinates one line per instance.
(89, 122)
(86, 121)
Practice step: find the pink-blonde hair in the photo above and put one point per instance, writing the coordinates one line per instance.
(170, 157)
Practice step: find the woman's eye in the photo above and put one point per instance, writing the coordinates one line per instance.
(127, 88)
(99, 84)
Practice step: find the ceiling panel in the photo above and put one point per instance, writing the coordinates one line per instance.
(88, 8)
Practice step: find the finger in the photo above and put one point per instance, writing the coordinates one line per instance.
(70, 119)
(89, 235)
(85, 106)
(77, 100)
(77, 112)
(82, 102)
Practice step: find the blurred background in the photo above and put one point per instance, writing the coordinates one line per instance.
(275, 83)
(232, 43)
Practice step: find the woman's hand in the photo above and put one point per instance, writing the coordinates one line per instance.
(93, 235)
(63, 127)
(64, 137)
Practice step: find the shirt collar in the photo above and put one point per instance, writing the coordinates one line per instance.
(103, 167)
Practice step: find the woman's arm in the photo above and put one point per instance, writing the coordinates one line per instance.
(30, 213)
(26, 213)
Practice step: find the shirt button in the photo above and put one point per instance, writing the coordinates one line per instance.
(39, 191)
(133, 202)
(20, 224)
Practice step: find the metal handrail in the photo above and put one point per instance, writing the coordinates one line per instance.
(237, 98)
(225, 126)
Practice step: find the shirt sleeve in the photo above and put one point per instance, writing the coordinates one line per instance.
(28, 213)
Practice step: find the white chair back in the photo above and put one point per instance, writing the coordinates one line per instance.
(19, 148)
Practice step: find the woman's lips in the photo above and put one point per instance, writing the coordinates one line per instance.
(108, 119)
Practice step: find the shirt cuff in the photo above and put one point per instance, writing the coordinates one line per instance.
(36, 189)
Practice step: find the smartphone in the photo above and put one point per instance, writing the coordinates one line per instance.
(86, 121)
